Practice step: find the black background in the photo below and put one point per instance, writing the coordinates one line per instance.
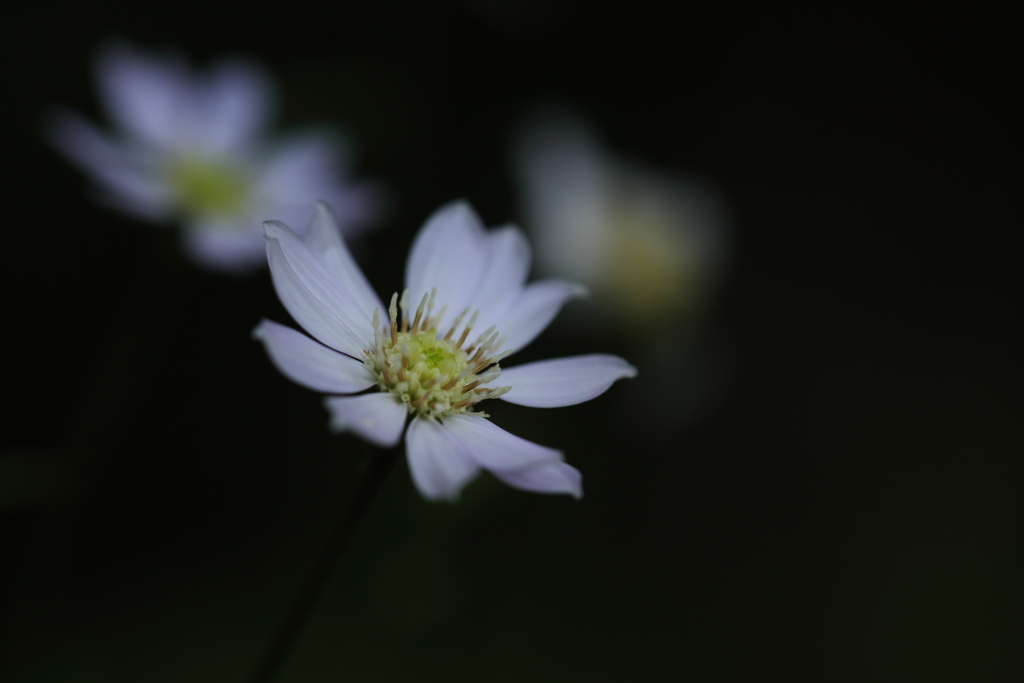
(846, 510)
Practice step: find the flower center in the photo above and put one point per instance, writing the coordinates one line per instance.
(204, 187)
(433, 376)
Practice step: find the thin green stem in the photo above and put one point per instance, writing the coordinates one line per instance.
(380, 466)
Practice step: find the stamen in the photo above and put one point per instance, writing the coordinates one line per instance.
(419, 312)
(470, 387)
(485, 335)
(455, 325)
(469, 328)
(393, 310)
(405, 310)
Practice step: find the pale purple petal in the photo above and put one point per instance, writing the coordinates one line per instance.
(310, 363)
(127, 180)
(563, 381)
(534, 311)
(325, 242)
(495, 449)
(449, 253)
(377, 417)
(508, 262)
(230, 105)
(438, 461)
(228, 244)
(308, 311)
(302, 166)
(142, 94)
(549, 477)
(323, 288)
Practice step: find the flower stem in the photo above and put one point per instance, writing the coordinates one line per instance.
(380, 466)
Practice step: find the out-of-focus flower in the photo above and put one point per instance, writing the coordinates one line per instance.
(650, 246)
(194, 147)
(429, 367)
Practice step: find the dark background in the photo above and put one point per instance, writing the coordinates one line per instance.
(846, 509)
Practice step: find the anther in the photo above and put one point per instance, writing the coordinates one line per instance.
(405, 310)
(393, 310)
(455, 325)
(419, 312)
(469, 328)
(470, 387)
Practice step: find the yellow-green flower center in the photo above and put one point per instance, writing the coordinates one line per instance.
(433, 376)
(206, 187)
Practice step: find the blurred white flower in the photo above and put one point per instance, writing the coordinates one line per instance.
(194, 147)
(651, 247)
(427, 367)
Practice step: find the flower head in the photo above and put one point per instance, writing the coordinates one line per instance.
(423, 365)
(194, 147)
(650, 245)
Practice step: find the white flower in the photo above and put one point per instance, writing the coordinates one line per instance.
(652, 246)
(431, 366)
(193, 147)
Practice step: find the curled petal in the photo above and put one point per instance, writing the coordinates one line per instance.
(536, 308)
(563, 381)
(309, 311)
(324, 292)
(311, 364)
(449, 253)
(438, 460)
(377, 417)
(494, 448)
(548, 477)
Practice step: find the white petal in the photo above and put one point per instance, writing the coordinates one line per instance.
(508, 261)
(534, 311)
(377, 417)
(231, 245)
(323, 288)
(549, 477)
(563, 381)
(494, 448)
(231, 105)
(307, 310)
(449, 253)
(325, 242)
(127, 181)
(310, 364)
(438, 460)
(142, 94)
(304, 167)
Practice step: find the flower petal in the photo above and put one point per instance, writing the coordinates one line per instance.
(563, 381)
(494, 448)
(377, 417)
(548, 477)
(508, 261)
(127, 181)
(231, 104)
(325, 242)
(438, 461)
(310, 364)
(142, 94)
(309, 311)
(323, 288)
(534, 311)
(449, 253)
(226, 244)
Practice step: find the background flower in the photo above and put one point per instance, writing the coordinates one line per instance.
(194, 146)
(651, 246)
